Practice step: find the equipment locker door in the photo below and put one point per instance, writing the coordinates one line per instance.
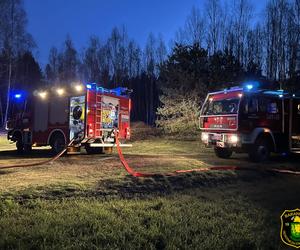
(295, 125)
(110, 112)
(77, 117)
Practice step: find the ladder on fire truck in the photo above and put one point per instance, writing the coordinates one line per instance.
(98, 114)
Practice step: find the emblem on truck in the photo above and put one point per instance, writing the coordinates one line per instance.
(290, 227)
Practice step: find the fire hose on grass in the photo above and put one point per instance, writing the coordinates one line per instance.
(134, 173)
(41, 162)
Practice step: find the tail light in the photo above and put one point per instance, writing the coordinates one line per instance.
(129, 104)
(127, 132)
(90, 130)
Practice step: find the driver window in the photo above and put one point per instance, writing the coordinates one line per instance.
(217, 108)
(232, 107)
(253, 105)
(272, 107)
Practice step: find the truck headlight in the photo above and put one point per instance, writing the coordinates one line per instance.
(204, 136)
(233, 139)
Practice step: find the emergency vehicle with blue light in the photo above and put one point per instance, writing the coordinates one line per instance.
(253, 120)
(87, 114)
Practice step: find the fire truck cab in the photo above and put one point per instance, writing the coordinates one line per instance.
(251, 120)
(87, 114)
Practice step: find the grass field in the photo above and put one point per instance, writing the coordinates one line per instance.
(90, 202)
(3, 141)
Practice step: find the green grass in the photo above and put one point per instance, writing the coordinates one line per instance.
(164, 146)
(203, 218)
(132, 224)
(87, 202)
(5, 144)
(3, 140)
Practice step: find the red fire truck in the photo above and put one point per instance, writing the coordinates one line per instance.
(251, 120)
(87, 114)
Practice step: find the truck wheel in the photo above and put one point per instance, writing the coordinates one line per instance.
(260, 151)
(58, 144)
(20, 146)
(92, 151)
(27, 148)
(108, 150)
(224, 153)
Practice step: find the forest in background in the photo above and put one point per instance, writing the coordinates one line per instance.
(220, 44)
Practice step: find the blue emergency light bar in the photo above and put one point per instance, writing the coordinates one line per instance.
(120, 91)
(91, 85)
(18, 96)
(249, 86)
(252, 85)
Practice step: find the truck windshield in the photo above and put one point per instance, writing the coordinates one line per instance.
(221, 107)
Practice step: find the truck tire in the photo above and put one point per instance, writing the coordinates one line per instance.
(260, 151)
(58, 143)
(27, 148)
(20, 146)
(108, 150)
(92, 151)
(224, 153)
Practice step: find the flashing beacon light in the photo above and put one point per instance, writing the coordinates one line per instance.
(249, 86)
(91, 85)
(17, 96)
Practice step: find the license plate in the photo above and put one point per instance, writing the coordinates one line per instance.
(216, 137)
(220, 144)
(109, 140)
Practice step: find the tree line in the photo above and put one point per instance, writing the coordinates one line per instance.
(219, 43)
(115, 61)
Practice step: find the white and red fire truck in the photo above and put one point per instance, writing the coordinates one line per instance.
(86, 113)
(251, 120)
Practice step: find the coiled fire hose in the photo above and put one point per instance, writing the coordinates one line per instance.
(219, 168)
(41, 162)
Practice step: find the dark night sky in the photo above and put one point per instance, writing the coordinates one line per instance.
(49, 21)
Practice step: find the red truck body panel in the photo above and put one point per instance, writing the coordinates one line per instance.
(99, 108)
(239, 118)
(221, 122)
(88, 114)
